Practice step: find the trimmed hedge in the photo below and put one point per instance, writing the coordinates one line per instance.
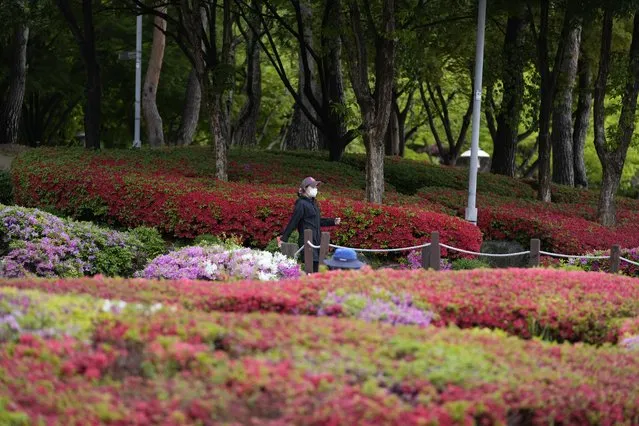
(556, 305)
(126, 193)
(562, 228)
(149, 365)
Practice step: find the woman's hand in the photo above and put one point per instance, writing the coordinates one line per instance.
(338, 220)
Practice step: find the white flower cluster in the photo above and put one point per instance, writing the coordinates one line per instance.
(117, 306)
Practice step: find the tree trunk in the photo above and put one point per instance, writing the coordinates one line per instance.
(607, 210)
(612, 153)
(374, 166)
(393, 142)
(505, 141)
(302, 134)
(149, 94)
(190, 112)
(334, 137)
(562, 137)
(547, 93)
(375, 105)
(11, 111)
(93, 112)
(246, 133)
(582, 120)
(217, 135)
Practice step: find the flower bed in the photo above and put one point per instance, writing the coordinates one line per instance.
(556, 305)
(35, 242)
(187, 207)
(218, 263)
(146, 367)
(562, 228)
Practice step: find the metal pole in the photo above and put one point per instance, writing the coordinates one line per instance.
(138, 80)
(471, 209)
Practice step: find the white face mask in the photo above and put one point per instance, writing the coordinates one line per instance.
(312, 192)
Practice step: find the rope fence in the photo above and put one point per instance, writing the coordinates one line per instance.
(431, 252)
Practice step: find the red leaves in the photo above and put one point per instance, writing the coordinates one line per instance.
(186, 207)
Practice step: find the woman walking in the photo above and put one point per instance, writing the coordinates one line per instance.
(307, 216)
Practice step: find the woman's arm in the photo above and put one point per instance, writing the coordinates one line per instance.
(330, 221)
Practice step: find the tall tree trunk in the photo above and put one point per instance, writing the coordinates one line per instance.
(335, 137)
(505, 141)
(149, 94)
(547, 93)
(612, 153)
(302, 134)
(93, 113)
(562, 137)
(190, 112)
(11, 108)
(582, 120)
(375, 105)
(393, 138)
(246, 128)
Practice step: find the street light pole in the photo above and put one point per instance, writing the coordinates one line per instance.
(137, 143)
(471, 209)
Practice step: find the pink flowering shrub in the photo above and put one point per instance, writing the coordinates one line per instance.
(218, 263)
(189, 368)
(553, 304)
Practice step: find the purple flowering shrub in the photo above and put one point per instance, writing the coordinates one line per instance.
(380, 306)
(39, 243)
(603, 265)
(219, 263)
(415, 261)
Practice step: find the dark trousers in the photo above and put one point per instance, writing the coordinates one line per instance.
(315, 267)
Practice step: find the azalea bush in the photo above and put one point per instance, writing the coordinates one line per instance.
(219, 263)
(604, 265)
(629, 334)
(157, 366)
(562, 228)
(128, 194)
(553, 304)
(39, 243)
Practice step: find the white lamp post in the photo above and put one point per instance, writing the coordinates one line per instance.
(471, 209)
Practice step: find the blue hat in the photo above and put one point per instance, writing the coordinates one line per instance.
(344, 258)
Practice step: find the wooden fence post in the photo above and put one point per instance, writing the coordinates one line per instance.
(326, 240)
(535, 248)
(435, 253)
(615, 254)
(308, 251)
(289, 249)
(425, 257)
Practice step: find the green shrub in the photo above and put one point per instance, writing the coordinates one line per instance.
(152, 242)
(231, 242)
(6, 188)
(272, 245)
(462, 264)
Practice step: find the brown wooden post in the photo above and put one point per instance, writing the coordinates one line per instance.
(435, 251)
(308, 251)
(535, 248)
(289, 249)
(326, 239)
(426, 257)
(615, 254)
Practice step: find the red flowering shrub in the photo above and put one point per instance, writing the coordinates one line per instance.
(188, 368)
(562, 228)
(131, 195)
(556, 305)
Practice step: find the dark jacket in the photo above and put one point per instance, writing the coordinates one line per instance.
(307, 216)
